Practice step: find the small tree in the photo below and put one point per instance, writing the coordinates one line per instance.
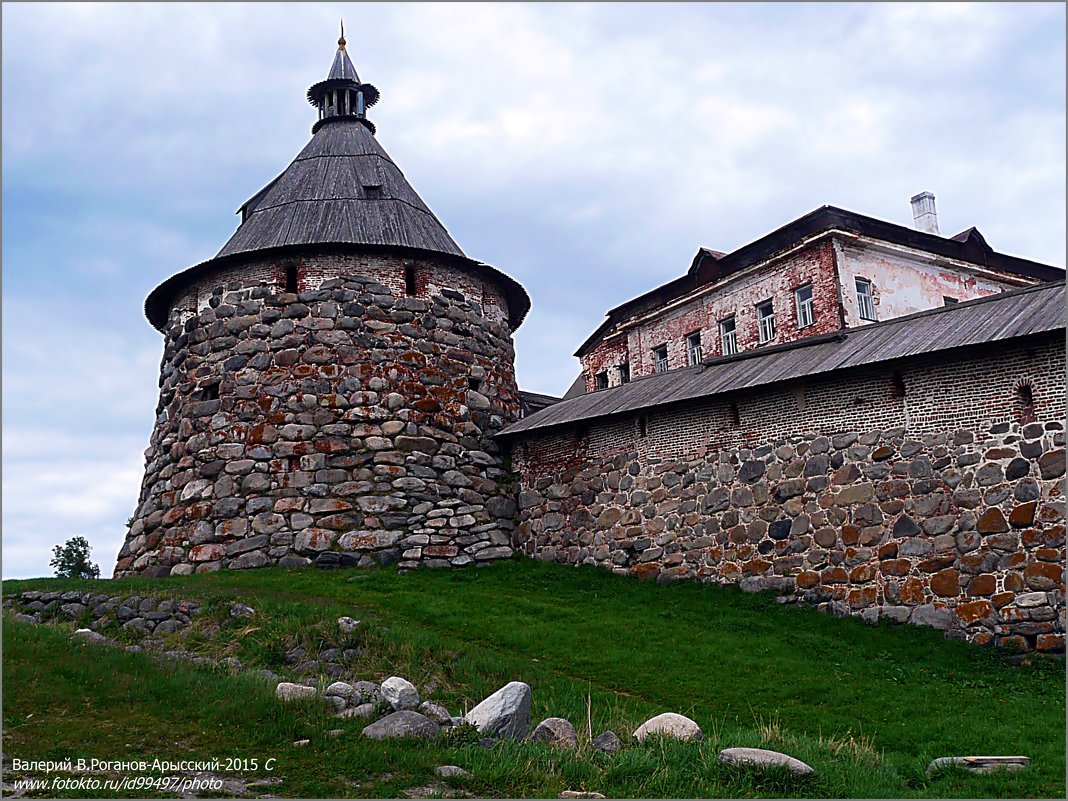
(71, 560)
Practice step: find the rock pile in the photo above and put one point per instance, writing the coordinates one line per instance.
(100, 610)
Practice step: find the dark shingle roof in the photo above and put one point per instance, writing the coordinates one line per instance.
(322, 197)
(1008, 315)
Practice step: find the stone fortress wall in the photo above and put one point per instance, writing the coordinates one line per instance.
(346, 423)
(818, 492)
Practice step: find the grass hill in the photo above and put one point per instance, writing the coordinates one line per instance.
(867, 707)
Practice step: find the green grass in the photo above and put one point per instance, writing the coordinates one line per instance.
(867, 707)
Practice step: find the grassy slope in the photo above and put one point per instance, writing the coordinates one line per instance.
(749, 671)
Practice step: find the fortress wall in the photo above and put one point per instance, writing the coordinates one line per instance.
(344, 424)
(817, 491)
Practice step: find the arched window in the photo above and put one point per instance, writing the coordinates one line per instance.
(897, 386)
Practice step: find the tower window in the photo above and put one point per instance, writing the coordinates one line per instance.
(373, 192)
(624, 373)
(735, 413)
(948, 301)
(291, 279)
(865, 299)
(693, 348)
(643, 428)
(660, 359)
(803, 298)
(897, 386)
(409, 279)
(728, 336)
(601, 380)
(210, 391)
(474, 383)
(1025, 403)
(766, 321)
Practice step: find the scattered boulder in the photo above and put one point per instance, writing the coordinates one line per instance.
(403, 723)
(363, 711)
(445, 771)
(238, 611)
(556, 731)
(400, 693)
(979, 764)
(762, 758)
(90, 636)
(505, 713)
(288, 691)
(436, 712)
(367, 691)
(171, 626)
(341, 689)
(669, 724)
(608, 742)
(347, 624)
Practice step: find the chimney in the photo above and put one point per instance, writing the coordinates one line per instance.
(924, 216)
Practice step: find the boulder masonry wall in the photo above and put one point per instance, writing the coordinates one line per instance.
(344, 423)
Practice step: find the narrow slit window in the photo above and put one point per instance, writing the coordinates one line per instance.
(210, 391)
(803, 298)
(728, 334)
(372, 192)
(1025, 403)
(898, 386)
(474, 383)
(624, 373)
(766, 321)
(291, 279)
(409, 279)
(735, 413)
(643, 427)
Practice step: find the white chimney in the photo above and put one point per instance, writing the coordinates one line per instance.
(924, 216)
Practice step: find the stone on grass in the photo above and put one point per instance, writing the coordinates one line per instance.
(505, 713)
(762, 758)
(342, 689)
(445, 771)
(579, 794)
(288, 691)
(404, 723)
(241, 610)
(347, 624)
(335, 732)
(299, 743)
(90, 635)
(979, 764)
(169, 626)
(669, 724)
(400, 693)
(362, 711)
(337, 702)
(608, 742)
(367, 691)
(436, 712)
(556, 731)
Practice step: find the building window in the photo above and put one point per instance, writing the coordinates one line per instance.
(624, 373)
(735, 413)
(642, 427)
(693, 348)
(210, 391)
(803, 298)
(766, 321)
(409, 280)
(660, 359)
(601, 380)
(948, 301)
(373, 192)
(291, 279)
(865, 299)
(897, 386)
(1025, 403)
(728, 335)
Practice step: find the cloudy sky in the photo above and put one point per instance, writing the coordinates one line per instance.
(586, 150)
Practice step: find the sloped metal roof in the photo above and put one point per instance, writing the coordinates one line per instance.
(1008, 315)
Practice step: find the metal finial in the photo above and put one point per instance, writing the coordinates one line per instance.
(341, 41)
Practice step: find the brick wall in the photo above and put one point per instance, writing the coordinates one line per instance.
(924, 492)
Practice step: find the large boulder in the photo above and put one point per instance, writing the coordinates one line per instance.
(506, 713)
(761, 758)
(556, 731)
(979, 764)
(288, 691)
(399, 693)
(670, 724)
(404, 723)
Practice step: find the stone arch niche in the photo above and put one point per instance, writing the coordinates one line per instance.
(334, 426)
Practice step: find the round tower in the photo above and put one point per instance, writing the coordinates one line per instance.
(332, 379)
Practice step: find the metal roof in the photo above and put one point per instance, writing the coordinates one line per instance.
(1007, 315)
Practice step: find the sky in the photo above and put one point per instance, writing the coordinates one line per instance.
(587, 150)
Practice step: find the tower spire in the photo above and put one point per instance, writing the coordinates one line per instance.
(342, 96)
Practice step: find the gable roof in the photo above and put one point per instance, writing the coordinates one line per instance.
(994, 318)
(709, 266)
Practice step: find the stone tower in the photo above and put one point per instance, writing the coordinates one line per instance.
(332, 378)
